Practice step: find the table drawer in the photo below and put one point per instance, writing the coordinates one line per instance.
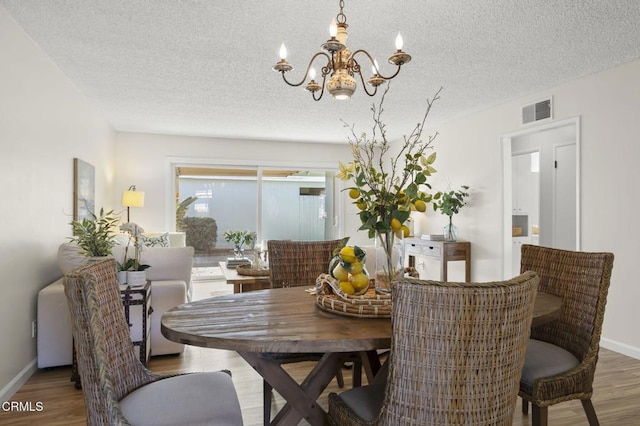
(423, 250)
(432, 251)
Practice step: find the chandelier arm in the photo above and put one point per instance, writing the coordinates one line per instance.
(304, 77)
(364, 85)
(374, 64)
(324, 78)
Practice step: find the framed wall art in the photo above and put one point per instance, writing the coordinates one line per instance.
(84, 186)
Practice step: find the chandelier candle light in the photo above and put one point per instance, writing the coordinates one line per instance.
(341, 64)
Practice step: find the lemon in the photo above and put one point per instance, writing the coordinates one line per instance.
(347, 254)
(405, 231)
(395, 224)
(359, 282)
(347, 287)
(356, 267)
(354, 193)
(340, 273)
(361, 205)
(420, 205)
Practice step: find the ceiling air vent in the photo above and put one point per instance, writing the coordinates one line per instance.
(535, 112)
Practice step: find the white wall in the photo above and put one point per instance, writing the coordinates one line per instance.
(608, 103)
(144, 160)
(44, 123)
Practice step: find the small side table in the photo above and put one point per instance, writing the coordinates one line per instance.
(444, 251)
(137, 312)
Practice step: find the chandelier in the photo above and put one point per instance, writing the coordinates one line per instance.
(341, 66)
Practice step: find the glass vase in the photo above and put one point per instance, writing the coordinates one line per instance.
(389, 260)
(238, 252)
(450, 232)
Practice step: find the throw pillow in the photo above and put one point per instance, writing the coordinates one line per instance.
(155, 241)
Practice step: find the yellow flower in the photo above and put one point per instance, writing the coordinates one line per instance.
(345, 171)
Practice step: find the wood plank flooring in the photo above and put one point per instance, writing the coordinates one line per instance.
(616, 395)
(616, 390)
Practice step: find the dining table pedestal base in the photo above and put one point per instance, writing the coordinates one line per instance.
(301, 397)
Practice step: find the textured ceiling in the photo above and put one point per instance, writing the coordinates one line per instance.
(204, 67)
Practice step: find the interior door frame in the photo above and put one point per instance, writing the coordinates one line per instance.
(507, 198)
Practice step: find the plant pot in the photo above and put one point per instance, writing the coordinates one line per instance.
(122, 277)
(136, 278)
(389, 260)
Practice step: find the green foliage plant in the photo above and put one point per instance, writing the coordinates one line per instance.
(95, 235)
(388, 186)
(201, 233)
(240, 238)
(449, 203)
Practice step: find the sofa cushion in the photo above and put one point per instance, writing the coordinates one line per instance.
(161, 240)
(166, 263)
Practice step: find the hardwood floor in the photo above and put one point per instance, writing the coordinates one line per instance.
(616, 391)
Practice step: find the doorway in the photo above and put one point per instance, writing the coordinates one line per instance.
(541, 189)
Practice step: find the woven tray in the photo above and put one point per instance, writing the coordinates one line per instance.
(330, 298)
(249, 271)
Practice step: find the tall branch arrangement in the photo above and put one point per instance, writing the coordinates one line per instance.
(386, 187)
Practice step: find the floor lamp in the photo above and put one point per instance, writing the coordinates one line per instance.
(132, 198)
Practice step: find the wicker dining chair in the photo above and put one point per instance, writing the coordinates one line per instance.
(296, 264)
(118, 389)
(562, 354)
(457, 351)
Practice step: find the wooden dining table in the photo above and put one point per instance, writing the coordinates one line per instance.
(288, 320)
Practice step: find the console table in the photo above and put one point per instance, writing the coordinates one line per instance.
(443, 251)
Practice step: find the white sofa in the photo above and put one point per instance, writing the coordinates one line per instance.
(170, 275)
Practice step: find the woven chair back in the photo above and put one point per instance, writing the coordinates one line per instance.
(457, 351)
(582, 280)
(106, 359)
(298, 263)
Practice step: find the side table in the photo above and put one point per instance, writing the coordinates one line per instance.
(137, 311)
(444, 251)
(136, 302)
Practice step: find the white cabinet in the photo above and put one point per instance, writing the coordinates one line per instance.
(517, 243)
(521, 183)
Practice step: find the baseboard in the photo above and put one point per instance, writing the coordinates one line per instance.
(16, 383)
(627, 350)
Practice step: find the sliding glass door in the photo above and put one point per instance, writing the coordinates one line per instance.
(272, 202)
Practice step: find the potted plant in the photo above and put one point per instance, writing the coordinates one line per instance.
(136, 272)
(450, 203)
(95, 235)
(239, 239)
(387, 184)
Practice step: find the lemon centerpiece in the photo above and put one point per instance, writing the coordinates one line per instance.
(348, 268)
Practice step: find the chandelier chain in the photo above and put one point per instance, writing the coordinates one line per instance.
(341, 18)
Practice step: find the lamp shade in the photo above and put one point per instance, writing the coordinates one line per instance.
(133, 198)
